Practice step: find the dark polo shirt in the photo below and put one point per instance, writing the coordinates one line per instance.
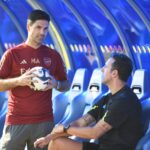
(123, 112)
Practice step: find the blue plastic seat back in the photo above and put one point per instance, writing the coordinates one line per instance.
(80, 81)
(95, 90)
(60, 103)
(145, 113)
(74, 110)
(146, 139)
(78, 86)
(146, 125)
(140, 84)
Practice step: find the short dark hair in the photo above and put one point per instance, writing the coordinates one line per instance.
(123, 65)
(38, 15)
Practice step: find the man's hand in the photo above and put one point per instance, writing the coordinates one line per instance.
(52, 84)
(26, 78)
(58, 131)
(42, 142)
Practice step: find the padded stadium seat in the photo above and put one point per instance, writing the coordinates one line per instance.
(140, 84)
(84, 102)
(95, 90)
(61, 103)
(146, 145)
(146, 125)
(70, 74)
(3, 109)
(145, 113)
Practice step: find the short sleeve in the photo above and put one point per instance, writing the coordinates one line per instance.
(5, 65)
(61, 68)
(98, 109)
(117, 114)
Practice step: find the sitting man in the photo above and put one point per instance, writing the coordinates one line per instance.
(117, 116)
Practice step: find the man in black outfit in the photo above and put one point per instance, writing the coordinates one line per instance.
(117, 116)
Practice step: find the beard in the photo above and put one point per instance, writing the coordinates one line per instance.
(39, 39)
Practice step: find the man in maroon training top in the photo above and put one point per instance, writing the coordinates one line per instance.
(29, 113)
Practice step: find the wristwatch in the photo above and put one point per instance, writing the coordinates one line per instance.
(66, 127)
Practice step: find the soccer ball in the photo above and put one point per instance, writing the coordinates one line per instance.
(41, 81)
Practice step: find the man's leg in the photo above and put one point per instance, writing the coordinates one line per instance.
(37, 131)
(14, 137)
(64, 144)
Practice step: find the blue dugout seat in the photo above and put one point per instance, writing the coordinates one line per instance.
(85, 101)
(61, 103)
(3, 109)
(147, 144)
(95, 90)
(140, 84)
(144, 143)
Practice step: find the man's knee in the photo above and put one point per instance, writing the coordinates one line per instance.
(57, 143)
(64, 143)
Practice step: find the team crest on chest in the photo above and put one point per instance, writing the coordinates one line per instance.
(47, 61)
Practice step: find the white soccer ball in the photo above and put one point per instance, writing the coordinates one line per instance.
(41, 81)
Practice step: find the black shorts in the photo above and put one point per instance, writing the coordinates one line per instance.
(90, 146)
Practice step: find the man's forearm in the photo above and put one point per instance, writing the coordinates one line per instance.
(86, 120)
(82, 132)
(7, 84)
(63, 85)
(93, 132)
(50, 137)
